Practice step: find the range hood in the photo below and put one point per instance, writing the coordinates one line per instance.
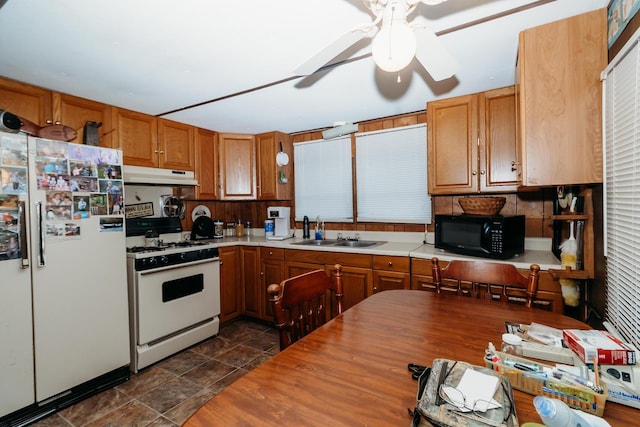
(140, 175)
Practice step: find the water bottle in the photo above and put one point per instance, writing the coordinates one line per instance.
(556, 413)
(305, 228)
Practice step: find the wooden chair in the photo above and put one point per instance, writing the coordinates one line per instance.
(300, 303)
(480, 279)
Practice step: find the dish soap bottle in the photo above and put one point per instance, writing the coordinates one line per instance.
(318, 229)
(556, 413)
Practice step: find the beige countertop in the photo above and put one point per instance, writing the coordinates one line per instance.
(397, 244)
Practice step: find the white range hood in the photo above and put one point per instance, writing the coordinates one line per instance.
(140, 175)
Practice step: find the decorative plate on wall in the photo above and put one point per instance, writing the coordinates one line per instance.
(200, 210)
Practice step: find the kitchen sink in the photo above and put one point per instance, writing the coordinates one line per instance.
(341, 243)
(358, 243)
(328, 242)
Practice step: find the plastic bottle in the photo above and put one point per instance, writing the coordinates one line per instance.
(555, 413)
(318, 230)
(511, 344)
(305, 228)
(322, 233)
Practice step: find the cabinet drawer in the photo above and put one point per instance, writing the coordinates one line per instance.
(423, 266)
(391, 263)
(329, 258)
(272, 253)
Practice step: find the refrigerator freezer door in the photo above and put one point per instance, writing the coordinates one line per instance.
(80, 297)
(16, 345)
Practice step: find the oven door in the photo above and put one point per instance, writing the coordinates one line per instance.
(174, 298)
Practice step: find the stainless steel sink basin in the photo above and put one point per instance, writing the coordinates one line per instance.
(328, 242)
(341, 243)
(359, 243)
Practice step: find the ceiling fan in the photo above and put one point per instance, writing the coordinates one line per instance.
(395, 43)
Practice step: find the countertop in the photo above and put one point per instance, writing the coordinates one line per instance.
(395, 245)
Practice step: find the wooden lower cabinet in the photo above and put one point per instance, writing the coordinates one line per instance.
(250, 277)
(357, 273)
(271, 271)
(230, 284)
(548, 297)
(390, 272)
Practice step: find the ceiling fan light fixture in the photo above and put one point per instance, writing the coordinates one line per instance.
(394, 46)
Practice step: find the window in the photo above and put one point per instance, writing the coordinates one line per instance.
(391, 175)
(622, 191)
(323, 180)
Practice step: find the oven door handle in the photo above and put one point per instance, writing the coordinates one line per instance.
(173, 267)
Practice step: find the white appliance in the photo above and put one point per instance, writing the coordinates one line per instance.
(174, 291)
(64, 326)
(281, 217)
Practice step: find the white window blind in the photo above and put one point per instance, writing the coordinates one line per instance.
(323, 180)
(622, 192)
(391, 175)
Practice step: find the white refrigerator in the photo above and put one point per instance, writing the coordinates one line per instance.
(64, 322)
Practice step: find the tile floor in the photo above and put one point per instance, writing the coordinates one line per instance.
(168, 392)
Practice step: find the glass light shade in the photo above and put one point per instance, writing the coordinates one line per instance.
(394, 46)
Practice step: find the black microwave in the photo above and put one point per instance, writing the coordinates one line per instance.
(499, 237)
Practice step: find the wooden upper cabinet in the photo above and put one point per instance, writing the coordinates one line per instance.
(136, 134)
(452, 145)
(471, 142)
(148, 141)
(206, 165)
(237, 166)
(498, 146)
(76, 112)
(29, 102)
(560, 100)
(175, 145)
(274, 182)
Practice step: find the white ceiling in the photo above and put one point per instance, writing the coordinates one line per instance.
(156, 56)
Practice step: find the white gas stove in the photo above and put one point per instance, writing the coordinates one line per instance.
(174, 291)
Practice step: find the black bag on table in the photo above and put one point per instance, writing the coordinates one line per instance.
(435, 408)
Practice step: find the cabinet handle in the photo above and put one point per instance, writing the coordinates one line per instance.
(474, 173)
(262, 273)
(49, 122)
(155, 151)
(161, 151)
(270, 253)
(375, 289)
(482, 172)
(221, 263)
(514, 166)
(390, 263)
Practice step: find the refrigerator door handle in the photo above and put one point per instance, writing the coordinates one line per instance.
(24, 242)
(41, 258)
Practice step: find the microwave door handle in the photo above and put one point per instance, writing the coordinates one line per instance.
(24, 243)
(41, 257)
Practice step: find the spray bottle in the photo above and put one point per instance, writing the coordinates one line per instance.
(556, 413)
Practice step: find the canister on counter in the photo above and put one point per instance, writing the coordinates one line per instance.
(230, 229)
(269, 227)
(218, 229)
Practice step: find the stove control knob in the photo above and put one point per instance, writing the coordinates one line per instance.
(164, 260)
(152, 261)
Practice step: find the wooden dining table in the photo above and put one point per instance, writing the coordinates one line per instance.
(353, 370)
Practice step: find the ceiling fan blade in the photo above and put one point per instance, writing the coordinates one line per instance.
(433, 56)
(329, 52)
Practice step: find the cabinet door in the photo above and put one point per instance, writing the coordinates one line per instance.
(498, 145)
(206, 165)
(357, 284)
(452, 145)
(175, 145)
(237, 167)
(230, 285)
(29, 102)
(560, 98)
(136, 134)
(270, 185)
(253, 298)
(272, 271)
(76, 112)
(388, 280)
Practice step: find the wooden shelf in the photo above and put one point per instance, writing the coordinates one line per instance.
(568, 274)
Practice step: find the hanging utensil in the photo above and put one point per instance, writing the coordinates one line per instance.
(568, 258)
(282, 158)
